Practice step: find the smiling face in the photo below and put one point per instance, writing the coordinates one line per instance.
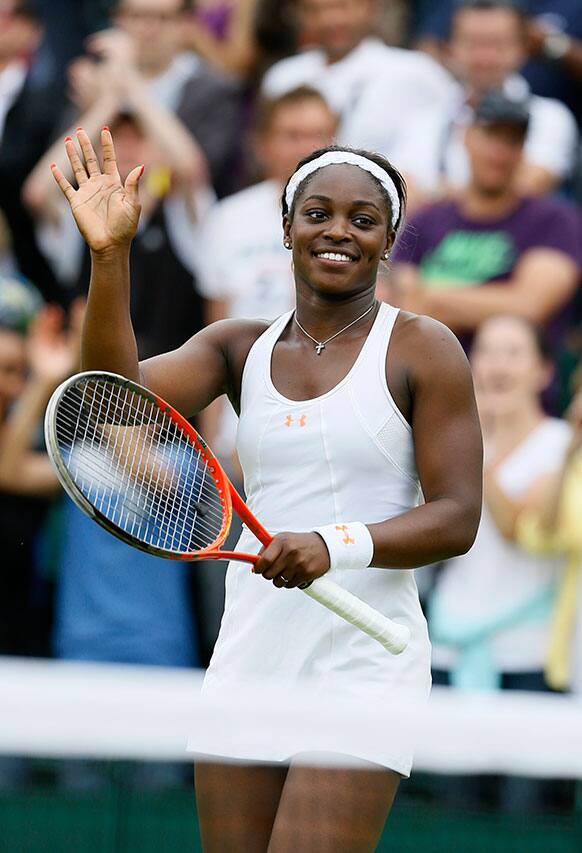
(339, 231)
(507, 365)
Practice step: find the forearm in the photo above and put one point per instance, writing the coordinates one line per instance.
(181, 152)
(436, 531)
(108, 340)
(466, 309)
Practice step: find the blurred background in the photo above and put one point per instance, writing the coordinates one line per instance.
(479, 104)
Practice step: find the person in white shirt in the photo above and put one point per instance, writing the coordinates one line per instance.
(375, 89)
(245, 271)
(487, 47)
(491, 611)
(490, 615)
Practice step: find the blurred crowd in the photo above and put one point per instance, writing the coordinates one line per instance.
(479, 104)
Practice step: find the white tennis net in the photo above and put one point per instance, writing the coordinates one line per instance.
(54, 708)
(55, 716)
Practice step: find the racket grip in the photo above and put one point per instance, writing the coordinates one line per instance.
(393, 636)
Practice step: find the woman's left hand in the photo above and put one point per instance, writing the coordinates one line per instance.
(293, 559)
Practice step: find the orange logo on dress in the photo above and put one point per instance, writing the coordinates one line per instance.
(347, 539)
(290, 420)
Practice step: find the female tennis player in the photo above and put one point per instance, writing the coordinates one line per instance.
(358, 432)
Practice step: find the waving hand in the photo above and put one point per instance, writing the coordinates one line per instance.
(106, 210)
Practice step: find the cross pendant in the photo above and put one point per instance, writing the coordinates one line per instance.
(319, 348)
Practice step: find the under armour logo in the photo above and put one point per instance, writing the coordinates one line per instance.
(346, 538)
(290, 420)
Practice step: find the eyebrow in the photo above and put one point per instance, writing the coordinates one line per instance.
(357, 203)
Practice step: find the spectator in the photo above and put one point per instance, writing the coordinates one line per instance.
(554, 528)
(553, 41)
(486, 49)
(166, 305)
(29, 113)
(490, 613)
(492, 250)
(145, 45)
(369, 85)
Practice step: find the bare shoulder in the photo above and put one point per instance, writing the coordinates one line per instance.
(237, 335)
(235, 339)
(427, 348)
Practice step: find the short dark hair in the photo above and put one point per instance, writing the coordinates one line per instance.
(378, 159)
(267, 108)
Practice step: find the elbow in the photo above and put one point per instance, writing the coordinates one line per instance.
(463, 528)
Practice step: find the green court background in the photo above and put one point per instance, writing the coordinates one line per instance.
(117, 820)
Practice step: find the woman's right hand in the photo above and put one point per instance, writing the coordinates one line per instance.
(105, 210)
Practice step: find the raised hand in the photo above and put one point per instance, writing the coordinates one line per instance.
(105, 210)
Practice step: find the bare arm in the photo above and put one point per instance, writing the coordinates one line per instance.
(543, 281)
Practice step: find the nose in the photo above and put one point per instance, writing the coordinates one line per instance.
(337, 229)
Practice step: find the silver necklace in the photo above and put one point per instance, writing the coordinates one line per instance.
(320, 345)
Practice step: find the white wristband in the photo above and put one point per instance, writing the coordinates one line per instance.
(349, 545)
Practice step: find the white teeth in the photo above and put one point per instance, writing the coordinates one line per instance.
(333, 256)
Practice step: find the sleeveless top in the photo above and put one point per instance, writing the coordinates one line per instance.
(346, 455)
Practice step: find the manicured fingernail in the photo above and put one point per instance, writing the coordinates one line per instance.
(53, 165)
(105, 127)
(141, 171)
(68, 139)
(79, 128)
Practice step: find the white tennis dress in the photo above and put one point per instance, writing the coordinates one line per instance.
(344, 456)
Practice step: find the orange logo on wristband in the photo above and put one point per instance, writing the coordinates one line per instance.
(347, 539)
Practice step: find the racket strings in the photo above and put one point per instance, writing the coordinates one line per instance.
(119, 453)
(133, 465)
(138, 468)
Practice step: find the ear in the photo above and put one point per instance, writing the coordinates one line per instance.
(389, 242)
(287, 228)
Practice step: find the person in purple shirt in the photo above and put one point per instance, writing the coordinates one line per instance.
(490, 250)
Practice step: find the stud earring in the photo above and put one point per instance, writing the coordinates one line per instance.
(386, 255)
(287, 244)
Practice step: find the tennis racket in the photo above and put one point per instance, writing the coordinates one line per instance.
(134, 465)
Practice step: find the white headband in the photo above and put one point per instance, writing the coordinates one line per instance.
(333, 158)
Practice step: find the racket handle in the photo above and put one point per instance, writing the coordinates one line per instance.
(393, 636)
